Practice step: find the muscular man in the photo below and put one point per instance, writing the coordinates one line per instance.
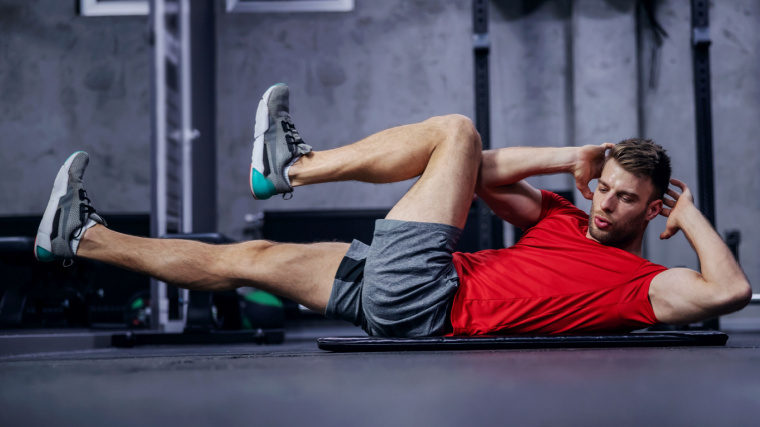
(570, 272)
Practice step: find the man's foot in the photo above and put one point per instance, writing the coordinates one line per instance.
(276, 145)
(68, 213)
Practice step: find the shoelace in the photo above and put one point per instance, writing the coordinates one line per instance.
(292, 137)
(290, 129)
(85, 209)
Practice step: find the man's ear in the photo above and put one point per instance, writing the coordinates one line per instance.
(654, 208)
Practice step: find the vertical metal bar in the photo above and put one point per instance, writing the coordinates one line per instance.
(161, 318)
(481, 48)
(186, 135)
(158, 153)
(700, 42)
(186, 132)
(203, 88)
(703, 107)
(158, 217)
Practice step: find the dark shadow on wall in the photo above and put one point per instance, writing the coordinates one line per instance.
(513, 10)
(517, 9)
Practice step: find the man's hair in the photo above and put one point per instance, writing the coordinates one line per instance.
(642, 157)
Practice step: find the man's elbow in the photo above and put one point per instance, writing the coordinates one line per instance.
(737, 297)
(744, 295)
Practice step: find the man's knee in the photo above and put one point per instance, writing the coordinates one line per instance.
(461, 130)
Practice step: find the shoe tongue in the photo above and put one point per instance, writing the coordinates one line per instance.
(97, 218)
(303, 148)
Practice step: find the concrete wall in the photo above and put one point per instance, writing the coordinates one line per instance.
(563, 73)
(71, 83)
(352, 74)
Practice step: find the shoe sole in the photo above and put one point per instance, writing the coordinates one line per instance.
(260, 128)
(42, 245)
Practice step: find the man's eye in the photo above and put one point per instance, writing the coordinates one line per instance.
(603, 190)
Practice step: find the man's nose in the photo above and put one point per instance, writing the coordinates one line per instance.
(608, 202)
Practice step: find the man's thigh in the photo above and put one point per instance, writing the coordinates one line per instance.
(444, 192)
(403, 284)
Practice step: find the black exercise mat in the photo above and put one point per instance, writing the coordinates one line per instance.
(499, 342)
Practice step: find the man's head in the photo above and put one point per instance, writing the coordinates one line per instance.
(629, 193)
(645, 159)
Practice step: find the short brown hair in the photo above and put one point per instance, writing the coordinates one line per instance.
(642, 157)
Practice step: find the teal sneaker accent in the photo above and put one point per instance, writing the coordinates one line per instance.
(262, 187)
(75, 153)
(44, 255)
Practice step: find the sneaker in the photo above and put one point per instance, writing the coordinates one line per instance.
(68, 213)
(276, 145)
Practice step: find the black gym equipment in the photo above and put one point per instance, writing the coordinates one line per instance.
(86, 294)
(733, 238)
(700, 43)
(210, 317)
(489, 228)
(310, 226)
(516, 342)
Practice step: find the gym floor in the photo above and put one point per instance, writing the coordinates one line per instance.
(296, 383)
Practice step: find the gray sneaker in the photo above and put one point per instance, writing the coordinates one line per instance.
(68, 213)
(276, 145)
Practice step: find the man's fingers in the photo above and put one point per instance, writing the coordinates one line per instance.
(608, 145)
(673, 194)
(679, 184)
(684, 189)
(586, 192)
(665, 211)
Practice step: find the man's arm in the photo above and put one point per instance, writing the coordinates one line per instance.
(501, 185)
(680, 295)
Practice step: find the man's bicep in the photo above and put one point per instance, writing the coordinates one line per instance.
(519, 203)
(681, 296)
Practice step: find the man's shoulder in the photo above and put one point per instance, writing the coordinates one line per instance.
(556, 204)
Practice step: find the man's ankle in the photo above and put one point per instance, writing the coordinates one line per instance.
(293, 172)
(87, 240)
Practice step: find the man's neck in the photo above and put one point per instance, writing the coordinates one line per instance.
(633, 246)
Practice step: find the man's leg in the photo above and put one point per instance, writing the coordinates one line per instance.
(445, 150)
(301, 272)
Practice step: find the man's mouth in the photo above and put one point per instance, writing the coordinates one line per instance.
(601, 223)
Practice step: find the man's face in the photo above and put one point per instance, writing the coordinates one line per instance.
(621, 208)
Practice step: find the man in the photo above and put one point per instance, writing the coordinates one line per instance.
(571, 272)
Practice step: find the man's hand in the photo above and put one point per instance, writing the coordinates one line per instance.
(674, 208)
(589, 166)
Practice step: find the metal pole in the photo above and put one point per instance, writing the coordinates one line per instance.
(701, 59)
(481, 48)
(187, 134)
(158, 150)
(700, 42)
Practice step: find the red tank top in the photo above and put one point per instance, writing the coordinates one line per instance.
(554, 280)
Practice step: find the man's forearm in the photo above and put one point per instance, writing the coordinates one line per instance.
(506, 166)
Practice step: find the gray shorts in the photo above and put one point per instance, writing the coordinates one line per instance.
(402, 285)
